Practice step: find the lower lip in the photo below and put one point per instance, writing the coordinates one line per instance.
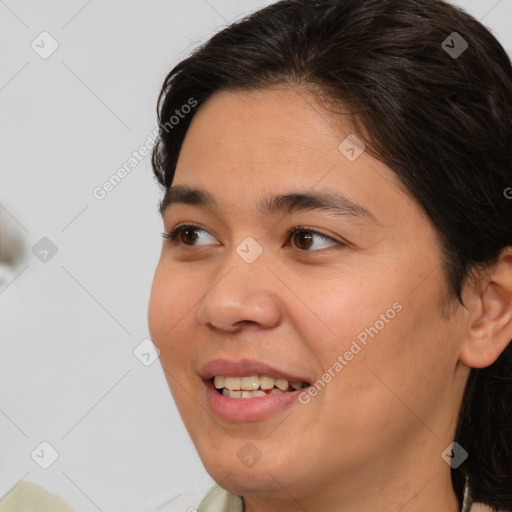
(247, 409)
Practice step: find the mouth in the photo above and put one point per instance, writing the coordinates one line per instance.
(254, 386)
(242, 391)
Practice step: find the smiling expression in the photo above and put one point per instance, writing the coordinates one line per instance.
(281, 250)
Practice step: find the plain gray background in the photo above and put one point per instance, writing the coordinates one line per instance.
(71, 321)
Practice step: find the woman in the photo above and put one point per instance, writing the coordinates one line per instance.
(333, 301)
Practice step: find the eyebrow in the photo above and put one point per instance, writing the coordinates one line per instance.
(328, 201)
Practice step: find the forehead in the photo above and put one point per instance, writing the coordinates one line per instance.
(246, 144)
(273, 126)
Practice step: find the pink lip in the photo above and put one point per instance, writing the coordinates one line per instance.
(245, 368)
(246, 409)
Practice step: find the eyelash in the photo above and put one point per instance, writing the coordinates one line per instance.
(173, 235)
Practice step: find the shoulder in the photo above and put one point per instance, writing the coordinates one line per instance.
(220, 500)
(29, 496)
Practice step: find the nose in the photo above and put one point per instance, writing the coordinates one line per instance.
(241, 295)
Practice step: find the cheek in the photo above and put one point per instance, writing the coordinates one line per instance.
(381, 331)
(173, 295)
(168, 313)
(400, 375)
(160, 309)
(337, 312)
(167, 321)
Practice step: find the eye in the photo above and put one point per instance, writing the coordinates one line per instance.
(186, 234)
(304, 238)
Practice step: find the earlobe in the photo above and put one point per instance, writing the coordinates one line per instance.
(490, 323)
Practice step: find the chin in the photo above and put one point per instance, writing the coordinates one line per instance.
(264, 476)
(246, 481)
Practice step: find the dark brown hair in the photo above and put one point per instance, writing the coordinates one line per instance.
(441, 121)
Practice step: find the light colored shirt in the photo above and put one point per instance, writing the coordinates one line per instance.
(219, 500)
(30, 497)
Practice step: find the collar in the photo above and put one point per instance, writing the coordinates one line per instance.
(218, 499)
(467, 502)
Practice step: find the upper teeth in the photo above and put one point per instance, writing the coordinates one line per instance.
(253, 382)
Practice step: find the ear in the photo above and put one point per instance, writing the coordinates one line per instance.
(489, 328)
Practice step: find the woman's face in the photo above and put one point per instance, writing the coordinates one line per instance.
(353, 301)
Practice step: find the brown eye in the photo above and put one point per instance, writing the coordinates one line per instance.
(187, 234)
(304, 239)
